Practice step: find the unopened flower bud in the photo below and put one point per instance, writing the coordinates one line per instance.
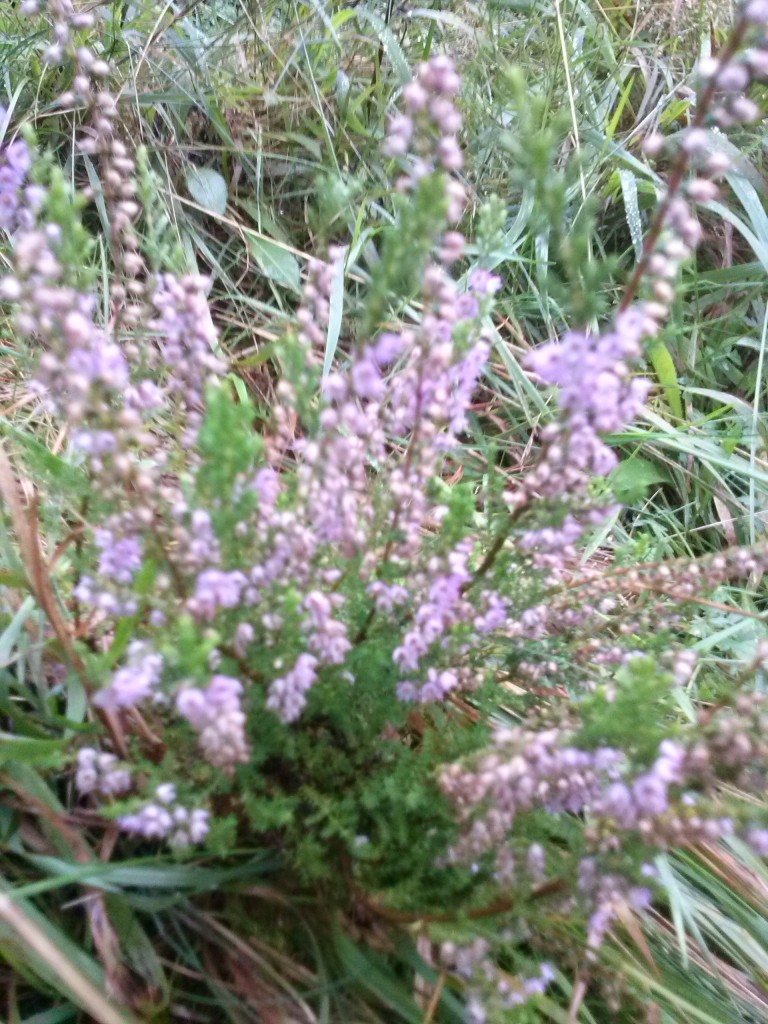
(653, 144)
(701, 190)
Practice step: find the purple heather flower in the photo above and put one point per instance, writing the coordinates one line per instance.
(427, 132)
(215, 589)
(756, 11)
(101, 363)
(166, 793)
(617, 803)
(15, 212)
(120, 557)
(217, 716)
(439, 684)
(467, 306)
(244, 636)
(387, 596)
(187, 340)
(99, 773)
(452, 248)
(443, 608)
(144, 396)
(527, 769)
(287, 695)
(483, 282)
(758, 840)
(596, 394)
(266, 484)
(388, 347)
(493, 615)
(415, 97)
(366, 379)
(327, 635)
(650, 795)
(135, 682)
(167, 820)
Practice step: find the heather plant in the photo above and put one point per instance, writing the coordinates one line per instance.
(321, 627)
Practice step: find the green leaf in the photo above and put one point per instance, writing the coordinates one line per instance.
(45, 464)
(334, 317)
(372, 975)
(387, 39)
(632, 479)
(664, 366)
(208, 188)
(632, 209)
(275, 261)
(11, 634)
(56, 1015)
(30, 937)
(23, 748)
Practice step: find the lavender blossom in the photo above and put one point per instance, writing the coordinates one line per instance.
(217, 716)
(168, 820)
(287, 695)
(596, 393)
(135, 682)
(18, 205)
(215, 589)
(426, 132)
(99, 773)
(443, 608)
(327, 635)
(187, 341)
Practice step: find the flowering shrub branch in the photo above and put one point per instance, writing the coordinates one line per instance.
(308, 635)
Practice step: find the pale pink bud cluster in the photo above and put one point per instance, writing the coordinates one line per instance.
(729, 79)
(137, 681)
(164, 818)
(217, 717)
(679, 237)
(19, 201)
(426, 132)
(187, 342)
(99, 137)
(314, 312)
(724, 82)
(100, 773)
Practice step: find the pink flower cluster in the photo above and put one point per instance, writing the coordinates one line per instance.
(427, 130)
(137, 681)
(164, 818)
(19, 201)
(217, 717)
(100, 773)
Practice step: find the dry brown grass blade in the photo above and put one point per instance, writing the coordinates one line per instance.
(25, 525)
(254, 979)
(717, 968)
(632, 926)
(82, 988)
(730, 870)
(578, 996)
(24, 520)
(105, 939)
